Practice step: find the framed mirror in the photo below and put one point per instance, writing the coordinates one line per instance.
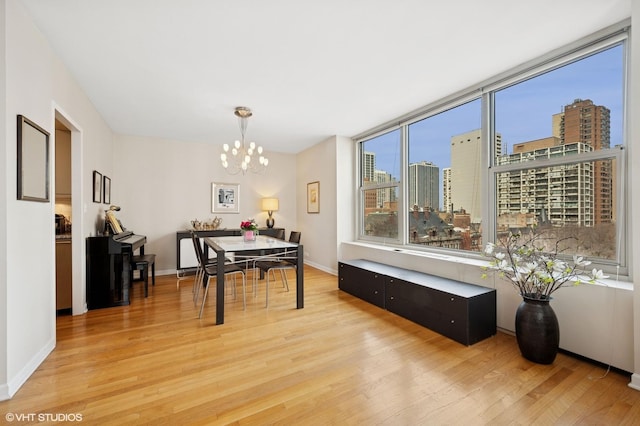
(33, 161)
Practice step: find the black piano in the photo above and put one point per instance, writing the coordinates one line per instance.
(108, 268)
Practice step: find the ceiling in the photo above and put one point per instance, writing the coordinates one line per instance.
(308, 69)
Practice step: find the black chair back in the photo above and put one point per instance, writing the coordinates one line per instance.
(294, 237)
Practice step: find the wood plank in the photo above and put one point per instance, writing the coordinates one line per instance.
(338, 360)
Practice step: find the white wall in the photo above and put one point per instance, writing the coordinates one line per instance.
(4, 190)
(161, 185)
(36, 83)
(634, 170)
(319, 237)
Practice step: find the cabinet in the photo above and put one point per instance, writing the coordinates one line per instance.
(63, 275)
(63, 163)
(365, 284)
(463, 312)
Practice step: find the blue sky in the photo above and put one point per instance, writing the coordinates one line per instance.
(523, 111)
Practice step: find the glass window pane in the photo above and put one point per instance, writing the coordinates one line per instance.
(562, 202)
(381, 220)
(381, 159)
(444, 179)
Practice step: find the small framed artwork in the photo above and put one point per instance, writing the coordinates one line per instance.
(33, 161)
(97, 186)
(106, 190)
(313, 197)
(225, 197)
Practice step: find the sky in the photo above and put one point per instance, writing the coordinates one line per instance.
(523, 112)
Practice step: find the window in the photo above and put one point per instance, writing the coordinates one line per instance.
(536, 151)
(565, 114)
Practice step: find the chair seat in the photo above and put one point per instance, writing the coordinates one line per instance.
(274, 264)
(212, 268)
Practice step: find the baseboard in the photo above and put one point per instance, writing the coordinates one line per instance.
(635, 381)
(321, 267)
(9, 389)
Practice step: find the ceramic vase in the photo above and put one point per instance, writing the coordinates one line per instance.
(537, 330)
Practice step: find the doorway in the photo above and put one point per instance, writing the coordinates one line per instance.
(70, 204)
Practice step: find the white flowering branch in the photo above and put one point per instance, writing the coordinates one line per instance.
(534, 271)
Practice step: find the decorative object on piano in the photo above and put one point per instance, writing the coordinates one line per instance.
(206, 226)
(106, 190)
(225, 197)
(249, 230)
(111, 223)
(313, 197)
(33, 161)
(239, 158)
(270, 205)
(97, 186)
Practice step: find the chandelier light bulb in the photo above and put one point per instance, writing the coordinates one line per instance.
(247, 159)
(234, 151)
(225, 147)
(243, 166)
(237, 144)
(252, 145)
(259, 150)
(225, 164)
(266, 162)
(250, 151)
(223, 157)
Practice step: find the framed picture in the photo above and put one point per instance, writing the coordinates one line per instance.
(225, 197)
(97, 186)
(313, 197)
(106, 190)
(33, 161)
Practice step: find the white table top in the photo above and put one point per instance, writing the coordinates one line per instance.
(238, 244)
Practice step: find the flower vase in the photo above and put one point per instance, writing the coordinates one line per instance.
(537, 330)
(249, 235)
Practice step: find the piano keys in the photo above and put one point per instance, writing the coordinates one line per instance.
(108, 268)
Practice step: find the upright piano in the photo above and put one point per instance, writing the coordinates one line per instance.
(108, 268)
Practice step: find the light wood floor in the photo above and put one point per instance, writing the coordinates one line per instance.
(337, 361)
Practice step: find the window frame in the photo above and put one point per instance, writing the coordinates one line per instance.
(618, 34)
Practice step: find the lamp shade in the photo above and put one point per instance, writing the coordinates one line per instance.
(270, 204)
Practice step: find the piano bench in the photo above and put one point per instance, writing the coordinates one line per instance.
(141, 263)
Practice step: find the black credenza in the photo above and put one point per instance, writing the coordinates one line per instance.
(463, 312)
(188, 263)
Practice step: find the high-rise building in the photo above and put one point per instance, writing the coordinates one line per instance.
(446, 189)
(424, 185)
(384, 195)
(560, 195)
(466, 169)
(584, 122)
(368, 166)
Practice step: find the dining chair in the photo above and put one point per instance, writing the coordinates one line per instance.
(281, 263)
(208, 269)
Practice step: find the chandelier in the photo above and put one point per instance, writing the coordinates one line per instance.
(239, 157)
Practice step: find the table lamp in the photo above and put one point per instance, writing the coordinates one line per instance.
(270, 205)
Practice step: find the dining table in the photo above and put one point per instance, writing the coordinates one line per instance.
(247, 252)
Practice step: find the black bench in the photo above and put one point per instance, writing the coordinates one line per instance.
(463, 312)
(142, 263)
